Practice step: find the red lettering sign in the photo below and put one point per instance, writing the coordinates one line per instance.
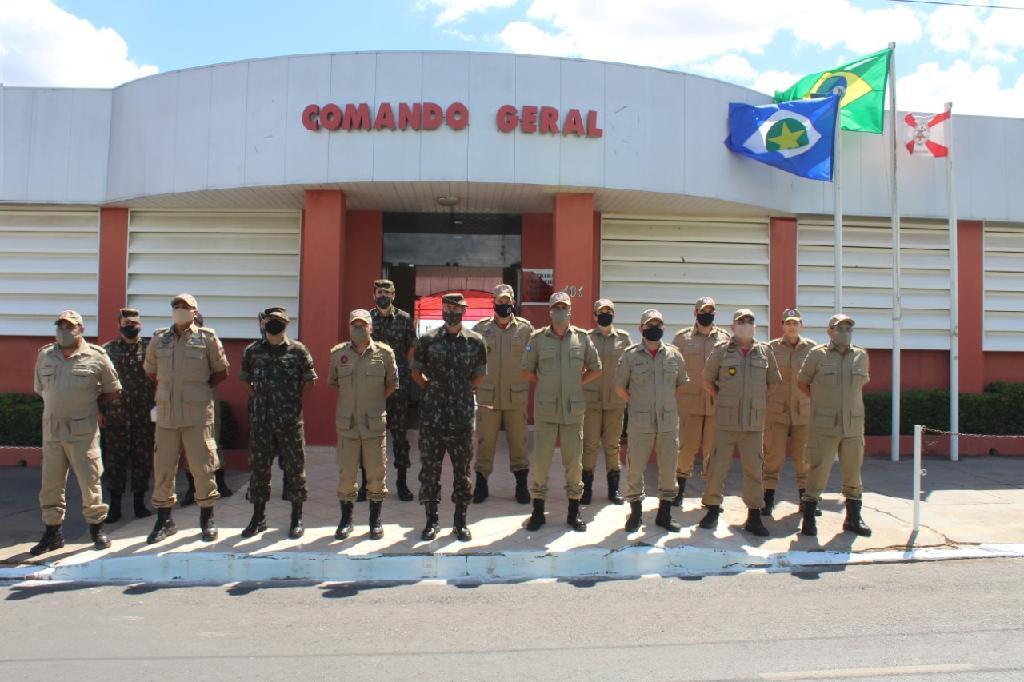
(507, 118)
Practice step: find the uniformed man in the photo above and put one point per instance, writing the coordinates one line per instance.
(788, 410)
(833, 376)
(561, 359)
(602, 422)
(186, 362)
(260, 319)
(366, 374)
(449, 364)
(395, 327)
(278, 374)
(696, 407)
(72, 377)
(127, 433)
(650, 377)
(738, 374)
(502, 396)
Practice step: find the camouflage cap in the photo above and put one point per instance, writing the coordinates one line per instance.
(559, 297)
(69, 315)
(503, 290)
(360, 314)
(187, 299)
(741, 313)
(838, 319)
(702, 302)
(604, 303)
(454, 298)
(385, 284)
(650, 314)
(276, 311)
(131, 314)
(791, 314)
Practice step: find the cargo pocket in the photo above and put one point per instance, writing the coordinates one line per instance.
(82, 427)
(485, 394)
(377, 423)
(520, 394)
(577, 406)
(825, 418)
(857, 419)
(546, 407)
(641, 421)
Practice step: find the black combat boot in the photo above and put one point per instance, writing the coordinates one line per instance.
(164, 527)
(769, 502)
(800, 494)
(572, 517)
(404, 494)
(710, 520)
(345, 525)
(99, 538)
(376, 529)
(222, 486)
(114, 508)
(431, 529)
(664, 518)
(361, 496)
(614, 496)
(460, 528)
(258, 522)
(140, 506)
(189, 498)
(480, 491)
(296, 529)
(52, 539)
(809, 526)
(536, 519)
(636, 516)
(522, 488)
(588, 487)
(754, 523)
(853, 522)
(678, 500)
(207, 524)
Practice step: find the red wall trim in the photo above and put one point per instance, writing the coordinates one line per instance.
(971, 242)
(363, 259)
(782, 269)
(113, 279)
(574, 253)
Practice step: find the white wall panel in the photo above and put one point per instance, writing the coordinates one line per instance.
(1004, 288)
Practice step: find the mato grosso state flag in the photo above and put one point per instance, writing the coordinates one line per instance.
(863, 102)
(797, 137)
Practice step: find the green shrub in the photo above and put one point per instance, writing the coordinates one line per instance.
(997, 411)
(21, 419)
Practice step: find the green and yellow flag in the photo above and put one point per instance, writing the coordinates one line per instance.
(864, 79)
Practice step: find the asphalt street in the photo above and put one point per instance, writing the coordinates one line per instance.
(954, 620)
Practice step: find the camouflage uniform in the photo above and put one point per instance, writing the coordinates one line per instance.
(396, 329)
(450, 363)
(277, 374)
(127, 437)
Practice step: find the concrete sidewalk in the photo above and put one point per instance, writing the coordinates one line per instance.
(971, 508)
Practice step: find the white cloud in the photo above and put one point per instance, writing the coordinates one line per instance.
(770, 81)
(456, 10)
(988, 35)
(731, 67)
(972, 90)
(42, 44)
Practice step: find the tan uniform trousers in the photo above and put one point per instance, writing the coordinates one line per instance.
(821, 450)
(752, 459)
(200, 455)
(696, 432)
(775, 435)
(666, 447)
(602, 428)
(83, 458)
(488, 422)
(570, 437)
(368, 453)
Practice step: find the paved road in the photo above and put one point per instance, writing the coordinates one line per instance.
(957, 620)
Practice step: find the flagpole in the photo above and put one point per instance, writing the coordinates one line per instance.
(837, 202)
(954, 297)
(897, 305)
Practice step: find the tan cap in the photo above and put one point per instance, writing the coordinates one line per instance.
(360, 314)
(704, 301)
(650, 314)
(503, 290)
(71, 316)
(741, 313)
(385, 284)
(604, 303)
(131, 314)
(559, 297)
(454, 299)
(188, 299)
(838, 319)
(276, 311)
(791, 314)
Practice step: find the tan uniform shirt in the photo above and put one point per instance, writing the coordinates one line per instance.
(836, 380)
(601, 393)
(362, 381)
(696, 347)
(742, 381)
(652, 383)
(504, 387)
(69, 388)
(183, 365)
(559, 364)
(788, 405)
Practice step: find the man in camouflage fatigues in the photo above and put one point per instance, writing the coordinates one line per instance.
(127, 434)
(449, 364)
(395, 327)
(278, 372)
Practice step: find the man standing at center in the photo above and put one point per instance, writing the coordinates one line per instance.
(560, 358)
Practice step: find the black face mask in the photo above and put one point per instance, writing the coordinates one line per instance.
(451, 317)
(705, 319)
(605, 319)
(503, 309)
(383, 302)
(130, 332)
(653, 333)
(275, 326)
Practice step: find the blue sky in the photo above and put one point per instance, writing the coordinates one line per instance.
(969, 55)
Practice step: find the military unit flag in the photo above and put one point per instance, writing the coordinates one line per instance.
(926, 133)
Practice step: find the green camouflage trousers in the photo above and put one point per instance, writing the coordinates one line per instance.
(123, 447)
(459, 446)
(398, 421)
(266, 445)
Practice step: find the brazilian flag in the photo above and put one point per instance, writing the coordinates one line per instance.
(864, 102)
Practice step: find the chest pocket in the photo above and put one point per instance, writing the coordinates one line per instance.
(47, 375)
(548, 358)
(828, 374)
(729, 370)
(82, 376)
(376, 372)
(759, 368)
(576, 357)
